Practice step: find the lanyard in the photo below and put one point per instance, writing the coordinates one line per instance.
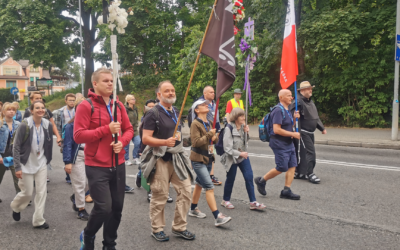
(287, 111)
(206, 127)
(12, 130)
(73, 113)
(176, 118)
(109, 110)
(37, 136)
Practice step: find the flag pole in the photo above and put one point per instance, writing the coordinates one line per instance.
(247, 96)
(113, 39)
(295, 97)
(194, 69)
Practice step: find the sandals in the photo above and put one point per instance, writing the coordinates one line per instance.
(313, 179)
(227, 204)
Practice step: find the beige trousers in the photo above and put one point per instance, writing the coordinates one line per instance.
(79, 180)
(160, 188)
(22, 199)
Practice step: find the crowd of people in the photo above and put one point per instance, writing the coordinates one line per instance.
(94, 161)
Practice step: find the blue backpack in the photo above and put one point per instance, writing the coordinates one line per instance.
(219, 147)
(265, 129)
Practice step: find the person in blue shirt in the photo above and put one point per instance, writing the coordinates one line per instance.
(281, 143)
(18, 114)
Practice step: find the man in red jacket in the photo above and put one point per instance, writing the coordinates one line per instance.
(94, 128)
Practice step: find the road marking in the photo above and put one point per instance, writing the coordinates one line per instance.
(338, 163)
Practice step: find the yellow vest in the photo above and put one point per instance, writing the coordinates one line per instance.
(235, 104)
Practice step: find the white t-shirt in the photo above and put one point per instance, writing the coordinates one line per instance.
(68, 114)
(35, 161)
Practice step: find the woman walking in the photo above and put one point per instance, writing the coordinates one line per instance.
(33, 149)
(8, 127)
(202, 157)
(235, 157)
(18, 115)
(74, 160)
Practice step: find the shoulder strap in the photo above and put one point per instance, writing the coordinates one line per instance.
(91, 105)
(230, 127)
(283, 111)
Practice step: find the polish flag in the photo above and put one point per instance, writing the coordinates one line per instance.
(289, 68)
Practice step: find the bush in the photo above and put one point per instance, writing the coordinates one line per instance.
(6, 96)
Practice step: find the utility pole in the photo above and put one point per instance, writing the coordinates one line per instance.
(395, 115)
(80, 29)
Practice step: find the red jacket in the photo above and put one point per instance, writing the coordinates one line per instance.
(93, 129)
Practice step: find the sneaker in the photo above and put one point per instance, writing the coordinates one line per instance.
(160, 236)
(313, 179)
(68, 182)
(185, 234)
(72, 198)
(257, 206)
(260, 186)
(138, 180)
(128, 189)
(87, 243)
(170, 200)
(149, 197)
(215, 181)
(222, 219)
(48, 180)
(128, 163)
(83, 215)
(197, 213)
(227, 204)
(16, 216)
(137, 161)
(44, 226)
(30, 203)
(1, 201)
(287, 194)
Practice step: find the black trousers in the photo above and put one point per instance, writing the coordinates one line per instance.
(307, 154)
(107, 189)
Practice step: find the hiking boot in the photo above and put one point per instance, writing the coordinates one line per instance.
(287, 194)
(185, 234)
(87, 243)
(83, 215)
(160, 236)
(44, 226)
(16, 216)
(197, 213)
(222, 219)
(260, 185)
(313, 179)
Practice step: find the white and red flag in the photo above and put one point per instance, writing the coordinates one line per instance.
(289, 68)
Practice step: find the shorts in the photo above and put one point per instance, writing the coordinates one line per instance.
(285, 159)
(203, 178)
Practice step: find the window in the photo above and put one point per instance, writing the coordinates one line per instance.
(10, 70)
(32, 69)
(10, 84)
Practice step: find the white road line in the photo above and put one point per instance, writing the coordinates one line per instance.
(338, 163)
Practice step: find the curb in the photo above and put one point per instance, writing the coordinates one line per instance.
(346, 143)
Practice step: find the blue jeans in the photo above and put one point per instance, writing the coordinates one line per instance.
(203, 178)
(247, 172)
(136, 142)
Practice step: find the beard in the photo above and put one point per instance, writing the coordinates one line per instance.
(171, 100)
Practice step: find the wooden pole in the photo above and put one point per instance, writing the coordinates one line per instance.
(194, 69)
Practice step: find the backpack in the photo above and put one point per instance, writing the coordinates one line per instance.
(219, 147)
(25, 136)
(189, 117)
(264, 129)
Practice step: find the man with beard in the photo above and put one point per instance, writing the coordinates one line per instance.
(163, 161)
(308, 122)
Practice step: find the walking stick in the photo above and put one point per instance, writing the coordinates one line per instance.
(194, 69)
(115, 79)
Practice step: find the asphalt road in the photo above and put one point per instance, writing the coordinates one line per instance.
(356, 206)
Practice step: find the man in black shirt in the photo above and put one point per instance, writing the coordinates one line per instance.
(309, 121)
(158, 131)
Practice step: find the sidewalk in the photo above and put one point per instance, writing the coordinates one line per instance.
(352, 137)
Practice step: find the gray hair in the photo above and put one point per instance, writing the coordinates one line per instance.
(235, 114)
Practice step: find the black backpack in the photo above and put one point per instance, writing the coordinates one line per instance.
(219, 147)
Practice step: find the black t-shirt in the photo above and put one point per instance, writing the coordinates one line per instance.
(47, 115)
(166, 125)
(281, 142)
